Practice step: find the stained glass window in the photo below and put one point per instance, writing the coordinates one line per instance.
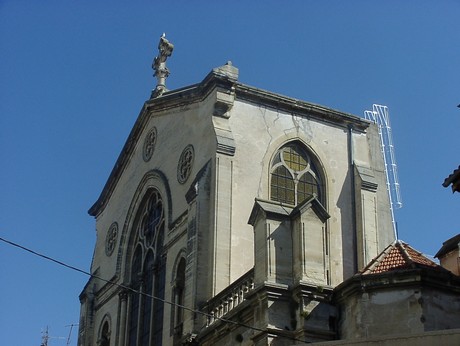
(294, 177)
(147, 275)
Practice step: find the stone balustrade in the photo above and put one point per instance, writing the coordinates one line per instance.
(230, 298)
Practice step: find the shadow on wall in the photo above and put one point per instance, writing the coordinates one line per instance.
(345, 203)
(281, 257)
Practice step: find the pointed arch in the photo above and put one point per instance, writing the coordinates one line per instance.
(178, 295)
(154, 179)
(295, 175)
(145, 270)
(105, 330)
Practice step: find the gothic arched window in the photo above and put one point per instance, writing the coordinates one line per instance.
(179, 293)
(294, 177)
(104, 337)
(145, 323)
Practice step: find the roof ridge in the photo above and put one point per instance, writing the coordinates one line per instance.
(407, 257)
(424, 256)
(377, 259)
(398, 255)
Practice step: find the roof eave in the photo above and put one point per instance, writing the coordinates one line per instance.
(223, 77)
(302, 108)
(169, 99)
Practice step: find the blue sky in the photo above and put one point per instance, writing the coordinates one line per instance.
(74, 76)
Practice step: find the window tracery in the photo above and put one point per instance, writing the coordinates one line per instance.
(294, 176)
(145, 323)
(111, 239)
(149, 144)
(184, 167)
(104, 339)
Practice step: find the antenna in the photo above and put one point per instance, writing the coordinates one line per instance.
(380, 116)
(70, 332)
(46, 337)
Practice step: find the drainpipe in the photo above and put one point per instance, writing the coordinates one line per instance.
(351, 164)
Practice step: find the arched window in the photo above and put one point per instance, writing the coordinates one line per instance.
(179, 291)
(145, 323)
(294, 176)
(104, 338)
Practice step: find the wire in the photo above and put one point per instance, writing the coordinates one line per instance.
(146, 294)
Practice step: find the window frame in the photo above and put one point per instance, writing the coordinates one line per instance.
(148, 271)
(290, 180)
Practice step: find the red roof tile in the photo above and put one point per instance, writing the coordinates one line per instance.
(398, 255)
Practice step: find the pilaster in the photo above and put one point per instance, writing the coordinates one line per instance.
(310, 248)
(366, 215)
(272, 242)
(198, 275)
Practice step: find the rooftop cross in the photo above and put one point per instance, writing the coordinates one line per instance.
(165, 49)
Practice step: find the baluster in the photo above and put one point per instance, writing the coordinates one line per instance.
(210, 318)
(225, 306)
(221, 310)
(230, 303)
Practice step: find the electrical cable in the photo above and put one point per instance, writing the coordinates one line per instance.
(224, 320)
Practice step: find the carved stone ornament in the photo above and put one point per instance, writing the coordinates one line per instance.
(149, 144)
(184, 167)
(111, 239)
(165, 49)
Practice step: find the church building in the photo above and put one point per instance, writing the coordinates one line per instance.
(230, 216)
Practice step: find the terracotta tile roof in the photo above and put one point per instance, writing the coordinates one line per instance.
(397, 256)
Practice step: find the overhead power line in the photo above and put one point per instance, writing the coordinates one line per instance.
(146, 294)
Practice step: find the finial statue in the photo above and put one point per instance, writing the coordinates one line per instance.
(165, 49)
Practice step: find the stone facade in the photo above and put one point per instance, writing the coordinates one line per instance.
(403, 303)
(443, 337)
(193, 229)
(400, 292)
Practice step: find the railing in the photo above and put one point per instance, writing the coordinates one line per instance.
(229, 298)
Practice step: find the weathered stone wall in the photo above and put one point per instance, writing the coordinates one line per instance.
(383, 312)
(234, 138)
(440, 309)
(259, 131)
(176, 128)
(403, 303)
(441, 337)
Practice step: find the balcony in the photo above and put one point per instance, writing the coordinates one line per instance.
(231, 297)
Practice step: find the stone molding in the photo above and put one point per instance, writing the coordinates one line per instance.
(367, 178)
(279, 211)
(111, 239)
(224, 80)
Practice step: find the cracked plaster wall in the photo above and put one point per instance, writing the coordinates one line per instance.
(258, 133)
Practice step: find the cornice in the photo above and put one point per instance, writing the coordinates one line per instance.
(169, 100)
(301, 108)
(279, 211)
(398, 279)
(222, 79)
